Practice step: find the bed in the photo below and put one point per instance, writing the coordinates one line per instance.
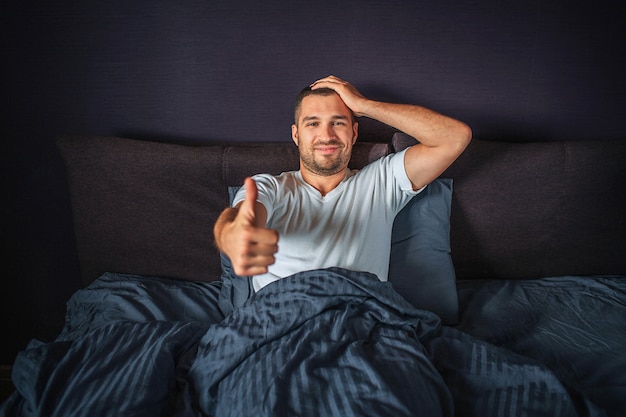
(506, 293)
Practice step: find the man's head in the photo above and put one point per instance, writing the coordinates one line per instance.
(310, 92)
(325, 130)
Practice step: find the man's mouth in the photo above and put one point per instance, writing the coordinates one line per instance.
(327, 148)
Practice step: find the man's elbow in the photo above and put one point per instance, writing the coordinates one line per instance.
(465, 133)
(462, 136)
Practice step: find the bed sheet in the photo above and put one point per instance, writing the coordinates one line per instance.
(574, 325)
(328, 342)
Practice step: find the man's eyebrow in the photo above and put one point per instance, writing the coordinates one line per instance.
(335, 117)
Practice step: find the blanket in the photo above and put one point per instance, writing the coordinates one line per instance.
(325, 342)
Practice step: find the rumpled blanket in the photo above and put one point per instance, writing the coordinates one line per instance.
(326, 342)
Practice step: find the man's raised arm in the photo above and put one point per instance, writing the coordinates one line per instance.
(441, 138)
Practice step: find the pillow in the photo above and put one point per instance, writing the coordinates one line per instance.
(235, 289)
(420, 265)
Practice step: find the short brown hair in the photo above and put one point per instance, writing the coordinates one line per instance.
(308, 91)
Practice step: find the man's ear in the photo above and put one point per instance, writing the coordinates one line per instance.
(355, 131)
(294, 133)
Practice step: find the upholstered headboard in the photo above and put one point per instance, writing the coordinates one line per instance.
(518, 210)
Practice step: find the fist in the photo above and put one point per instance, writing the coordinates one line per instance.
(246, 241)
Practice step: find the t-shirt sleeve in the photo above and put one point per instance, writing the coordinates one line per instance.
(399, 172)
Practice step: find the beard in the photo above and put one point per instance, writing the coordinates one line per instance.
(324, 165)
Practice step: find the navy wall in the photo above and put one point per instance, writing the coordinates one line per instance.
(201, 71)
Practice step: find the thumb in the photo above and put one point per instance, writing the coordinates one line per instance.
(247, 211)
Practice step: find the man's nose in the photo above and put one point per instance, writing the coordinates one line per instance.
(329, 131)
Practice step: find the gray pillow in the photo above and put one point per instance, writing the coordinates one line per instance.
(420, 265)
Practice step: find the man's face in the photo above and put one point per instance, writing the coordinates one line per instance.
(325, 134)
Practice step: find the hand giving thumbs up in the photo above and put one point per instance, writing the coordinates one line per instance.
(241, 234)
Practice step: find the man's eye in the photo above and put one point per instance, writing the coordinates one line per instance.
(313, 124)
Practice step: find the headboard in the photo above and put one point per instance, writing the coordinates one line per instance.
(519, 210)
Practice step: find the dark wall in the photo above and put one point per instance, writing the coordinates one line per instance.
(228, 70)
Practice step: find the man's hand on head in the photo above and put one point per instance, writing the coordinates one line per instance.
(348, 93)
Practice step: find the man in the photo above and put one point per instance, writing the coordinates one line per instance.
(326, 215)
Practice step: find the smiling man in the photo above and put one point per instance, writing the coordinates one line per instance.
(326, 215)
(325, 134)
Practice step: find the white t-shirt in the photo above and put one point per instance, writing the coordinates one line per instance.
(350, 227)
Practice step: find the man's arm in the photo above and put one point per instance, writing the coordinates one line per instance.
(241, 234)
(441, 138)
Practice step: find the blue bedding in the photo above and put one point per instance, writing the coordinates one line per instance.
(328, 342)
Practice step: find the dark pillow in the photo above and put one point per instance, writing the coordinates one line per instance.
(227, 267)
(144, 208)
(420, 265)
(236, 289)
